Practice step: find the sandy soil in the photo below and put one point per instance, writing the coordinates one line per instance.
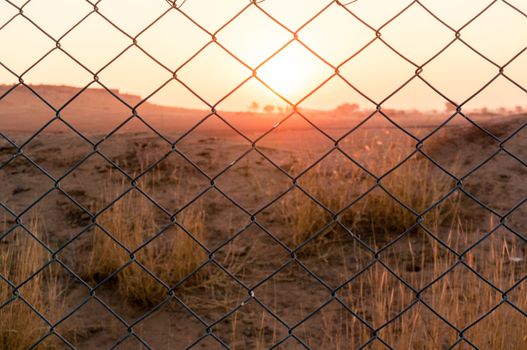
(212, 154)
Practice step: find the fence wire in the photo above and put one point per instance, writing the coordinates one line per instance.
(208, 331)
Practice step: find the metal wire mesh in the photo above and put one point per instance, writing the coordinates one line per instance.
(333, 293)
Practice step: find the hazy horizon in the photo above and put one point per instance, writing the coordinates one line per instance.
(499, 34)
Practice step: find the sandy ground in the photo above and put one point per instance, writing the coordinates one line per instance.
(252, 182)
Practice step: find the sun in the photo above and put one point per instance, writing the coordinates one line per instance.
(291, 73)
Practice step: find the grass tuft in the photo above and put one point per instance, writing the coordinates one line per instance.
(170, 257)
(21, 256)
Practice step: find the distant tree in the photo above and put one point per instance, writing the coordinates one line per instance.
(347, 108)
(280, 109)
(518, 109)
(485, 110)
(269, 109)
(254, 107)
(502, 110)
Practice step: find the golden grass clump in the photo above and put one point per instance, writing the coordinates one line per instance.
(418, 184)
(20, 257)
(171, 256)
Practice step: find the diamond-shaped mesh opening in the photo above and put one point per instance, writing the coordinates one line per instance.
(60, 218)
(418, 259)
(376, 145)
(417, 101)
(509, 22)
(117, 74)
(352, 182)
(138, 154)
(179, 46)
(459, 221)
(304, 11)
(170, 320)
(423, 27)
(30, 109)
(257, 109)
(300, 72)
(222, 145)
(140, 13)
(461, 297)
(264, 174)
(323, 26)
(172, 122)
(218, 228)
(377, 71)
(350, 108)
(492, 330)
(333, 327)
(57, 16)
(300, 152)
(40, 80)
(294, 218)
(292, 307)
(108, 44)
(46, 150)
(251, 326)
(93, 323)
(23, 184)
(211, 293)
(494, 187)
(249, 191)
(253, 37)
(95, 112)
(11, 40)
(467, 72)
(92, 266)
(376, 295)
(378, 218)
(85, 181)
(224, 71)
(441, 144)
(500, 258)
(418, 328)
(334, 249)
(494, 105)
(240, 255)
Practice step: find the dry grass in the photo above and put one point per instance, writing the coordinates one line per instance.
(460, 297)
(170, 257)
(417, 183)
(20, 257)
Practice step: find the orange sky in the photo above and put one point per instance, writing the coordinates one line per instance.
(500, 33)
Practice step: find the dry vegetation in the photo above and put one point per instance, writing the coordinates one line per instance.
(383, 302)
(21, 256)
(171, 256)
(418, 184)
(376, 295)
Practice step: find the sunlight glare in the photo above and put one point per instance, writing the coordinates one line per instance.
(289, 73)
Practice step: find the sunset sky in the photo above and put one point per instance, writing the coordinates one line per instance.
(336, 35)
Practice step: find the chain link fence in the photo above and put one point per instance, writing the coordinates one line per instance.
(208, 331)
